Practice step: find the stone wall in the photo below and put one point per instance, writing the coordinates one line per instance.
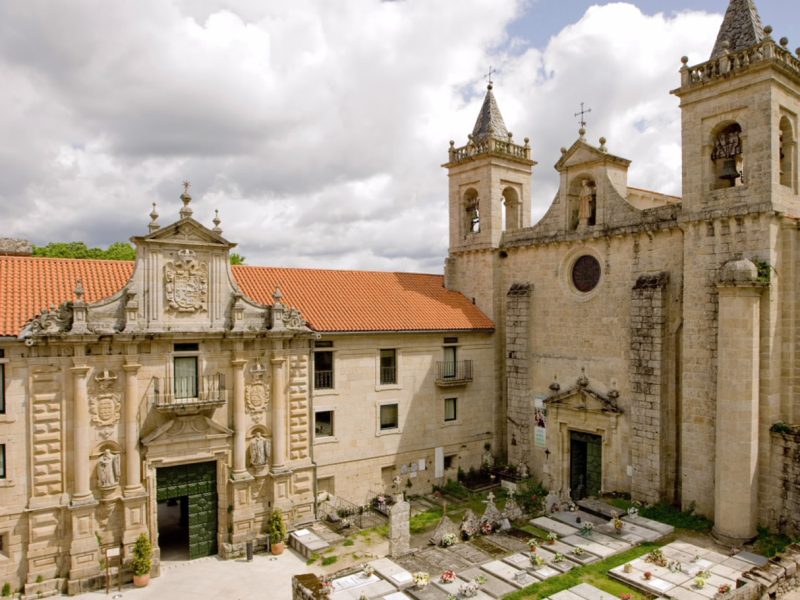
(517, 326)
(648, 410)
(785, 474)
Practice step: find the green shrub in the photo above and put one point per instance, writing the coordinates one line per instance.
(348, 542)
(6, 590)
(277, 527)
(329, 560)
(142, 555)
(531, 497)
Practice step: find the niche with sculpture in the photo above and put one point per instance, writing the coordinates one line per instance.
(727, 157)
(583, 203)
(259, 450)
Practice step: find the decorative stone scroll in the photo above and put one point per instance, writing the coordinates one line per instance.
(105, 403)
(256, 393)
(186, 283)
(49, 321)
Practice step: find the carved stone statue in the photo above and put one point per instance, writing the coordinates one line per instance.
(259, 450)
(585, 201)
(108, 469)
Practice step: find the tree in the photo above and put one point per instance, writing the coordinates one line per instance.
(116, 251)
(237, 259)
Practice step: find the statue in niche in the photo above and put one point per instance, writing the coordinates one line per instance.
(108, 469)
(259, 450)
(585, 205)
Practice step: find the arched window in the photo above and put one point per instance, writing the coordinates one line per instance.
(472, 213)
(512, 219)
(727, 156)
(787, 153)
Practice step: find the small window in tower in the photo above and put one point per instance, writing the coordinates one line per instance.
(472, 216)
(511, 213)
(787, 153)
(727, 157)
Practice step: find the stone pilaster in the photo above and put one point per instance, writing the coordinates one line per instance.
(239, 421)
(133, 464)
(736, 468)
(650, 433)
(80, 428)
(517, 360)
(279, 399)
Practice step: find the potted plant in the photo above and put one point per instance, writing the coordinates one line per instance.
(699, 582)
(277, 532)
(724, 588)
(648, 575)
(533, 543)
(142, 560)
(586, 528)
(421, 579)
(552, 537)
(448, 576)
(628, 568)
(536, 560)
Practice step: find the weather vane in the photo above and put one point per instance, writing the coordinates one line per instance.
(582, 114)
(489, 74)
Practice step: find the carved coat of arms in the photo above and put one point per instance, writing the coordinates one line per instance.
(256, 393)
(186, 283)
(105, 403)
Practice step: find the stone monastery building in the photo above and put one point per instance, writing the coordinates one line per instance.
(630, 341)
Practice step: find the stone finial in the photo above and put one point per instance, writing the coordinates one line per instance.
(583, 381)
(527, 141)
(555, 386)
(186, 211)
(582, 133)
(684, 60)
(784, 41)
(276, 295)
(153, 225)
(79, 291)
(216, 222)
(563, 150)
(603, 145)
(768, 30)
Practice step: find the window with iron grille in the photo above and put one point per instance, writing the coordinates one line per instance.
(388, 367)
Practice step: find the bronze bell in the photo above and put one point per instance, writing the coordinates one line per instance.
(729, 171)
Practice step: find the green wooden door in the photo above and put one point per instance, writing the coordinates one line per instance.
(585, 464)
(198, 484)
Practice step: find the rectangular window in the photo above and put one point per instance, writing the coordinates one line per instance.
(389, 417)
(2, 461)
(187, 347)
(450, 409)
(323, 423)
(323, 370)
(449, 366)
(388, 367)
(185, 377)
(448, 461)
(2, 387)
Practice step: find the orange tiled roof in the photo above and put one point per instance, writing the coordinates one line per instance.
(329, 300)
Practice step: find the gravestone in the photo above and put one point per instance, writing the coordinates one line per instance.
(492, 513)
(399, 531)
(512, 510)
(469, 524)
(444, 527)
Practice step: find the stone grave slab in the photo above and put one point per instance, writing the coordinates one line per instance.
(392, 572)
(626, 534)
(356, 580)
(549, 524)
(642, 532)
(682, 593)
(657, 526)
(676, 577)
(494, 586)
(726, 572)
(377, 589)
(617, 543)
(397, 596)
(565, 595)
(738, 564)
(598, 507)
(509, 574)
(429, 592)
(656, 585)
(306, 542)
(507, 542)
(577, 519)
(753, 559)
(589, 592)
(589, 545)
(707, 591)
(557, 546)
(452, 588)
(468, 555)
(715, 557)
(675, 554)
(545, 572)
(519, 561)
(690, 549)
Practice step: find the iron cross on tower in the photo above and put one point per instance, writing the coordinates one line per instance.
(489, 75)
(582, 114)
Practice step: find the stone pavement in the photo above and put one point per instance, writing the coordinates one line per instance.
(267, 578)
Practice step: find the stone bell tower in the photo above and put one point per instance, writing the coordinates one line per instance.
(739, 115)
(490, 191)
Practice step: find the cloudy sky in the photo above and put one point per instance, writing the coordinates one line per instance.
(317, 127)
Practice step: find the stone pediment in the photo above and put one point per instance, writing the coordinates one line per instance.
(186, 230)
(187, 430)
(581, 153)
(583, 398)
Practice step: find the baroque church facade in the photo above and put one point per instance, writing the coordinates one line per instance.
(629, 342)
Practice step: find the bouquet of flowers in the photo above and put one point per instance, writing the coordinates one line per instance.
(421, 579)
(552, 537)
(558, 557)
(448, 539)
(536, 560)
(486, 528)
(468, 590)
(724, 588)
(633, 511)
(586, 528)
(368, 570)
(326, 586)
(448, 576)
(578, 551)
(532, 544)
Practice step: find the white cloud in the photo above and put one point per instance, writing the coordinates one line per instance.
(317, 129)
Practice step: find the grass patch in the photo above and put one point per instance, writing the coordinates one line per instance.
(313, 558)
(666, 513)
(532, 529)
(425, 520)
(329, 560)
(769, 544)
(348, 542)
(594, 574)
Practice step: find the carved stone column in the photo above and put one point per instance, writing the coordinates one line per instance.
(278, 413)
(133, 465)
(239, 421)
(80, 428)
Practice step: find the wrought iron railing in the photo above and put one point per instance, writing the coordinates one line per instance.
(388, 375)
(453, 372)
(323, 380)
(186, 394)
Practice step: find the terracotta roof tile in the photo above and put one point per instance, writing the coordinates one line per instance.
(329, 300)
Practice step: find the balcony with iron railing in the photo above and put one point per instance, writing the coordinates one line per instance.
(188, 395)
(450, 373)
